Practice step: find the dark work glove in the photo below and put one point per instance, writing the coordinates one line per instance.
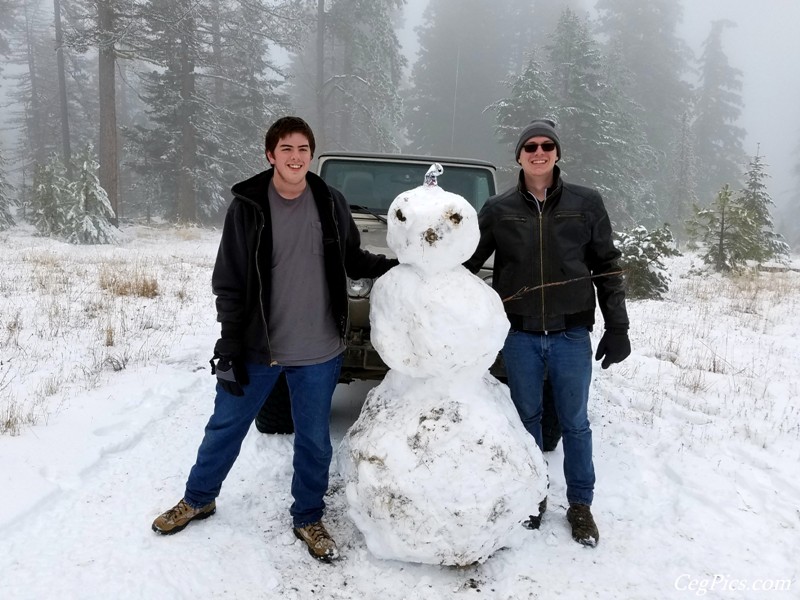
(231, 373)
(614, 346)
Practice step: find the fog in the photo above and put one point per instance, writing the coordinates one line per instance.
(765, 46)
(762, 45)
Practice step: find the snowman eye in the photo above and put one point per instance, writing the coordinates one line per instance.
(399, 214)
(456, 218)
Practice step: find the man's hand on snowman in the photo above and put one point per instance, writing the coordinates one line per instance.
(614, 346)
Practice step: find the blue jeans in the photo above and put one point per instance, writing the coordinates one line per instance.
(566, 357)
(311, 389)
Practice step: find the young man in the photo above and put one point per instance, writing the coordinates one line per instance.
(288, 243)
(552, 247)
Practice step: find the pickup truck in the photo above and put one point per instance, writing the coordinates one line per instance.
(370, 182)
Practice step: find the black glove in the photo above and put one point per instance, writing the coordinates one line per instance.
(614, 346)
(231, 373)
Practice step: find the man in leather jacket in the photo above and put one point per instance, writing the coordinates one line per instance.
(554, 260)
(280, 279)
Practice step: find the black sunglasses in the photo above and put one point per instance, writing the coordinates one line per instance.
(533, 147)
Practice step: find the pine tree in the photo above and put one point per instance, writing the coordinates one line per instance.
(243, 96)
(576, 81)
(658, 60)
(604, 146)
(49, 204)
(36, 105)
(682, 180)
(725, 232)
(756, 202)
(88, 218)
(455, 79)
(529, 94)
(6, 199)
(348, 75)
(628, 154)
(719, 139)
(194, 143)
(8, 10)
(643, 254)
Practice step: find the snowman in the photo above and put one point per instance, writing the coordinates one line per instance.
(438, 467)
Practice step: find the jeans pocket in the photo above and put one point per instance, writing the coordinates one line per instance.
(576, 334)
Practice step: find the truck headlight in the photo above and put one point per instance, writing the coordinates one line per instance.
(359, 288)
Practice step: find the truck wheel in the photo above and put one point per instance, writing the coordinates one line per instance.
(551, 430)
(275, 415)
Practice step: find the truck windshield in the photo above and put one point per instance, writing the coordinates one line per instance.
(374, 184)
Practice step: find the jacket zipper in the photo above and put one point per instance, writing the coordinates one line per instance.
(261, 220)
(540, 207)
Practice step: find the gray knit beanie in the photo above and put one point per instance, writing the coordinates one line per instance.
(544, 127)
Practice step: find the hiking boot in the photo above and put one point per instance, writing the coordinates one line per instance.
(320, 544)
(584, 529)
(534, 521)
(179, 516)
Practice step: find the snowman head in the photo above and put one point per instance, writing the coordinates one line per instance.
(430, 228)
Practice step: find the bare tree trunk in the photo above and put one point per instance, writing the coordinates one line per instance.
(187, 201)
(320, 133)
(108, 145)
(34, 118)
(216, 52)
(346, 121)
(62, 90)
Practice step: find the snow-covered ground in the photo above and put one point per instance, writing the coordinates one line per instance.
(103, 400)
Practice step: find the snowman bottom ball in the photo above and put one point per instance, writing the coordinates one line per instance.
(440, 472)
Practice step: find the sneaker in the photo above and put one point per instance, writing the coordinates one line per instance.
(179, 516)
(584, 529)
(320, 544)
(535, 521)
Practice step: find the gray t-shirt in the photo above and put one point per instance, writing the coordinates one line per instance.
(302, 329)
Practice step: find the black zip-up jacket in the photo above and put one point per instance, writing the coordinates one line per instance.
(242, 279)
(568, 240)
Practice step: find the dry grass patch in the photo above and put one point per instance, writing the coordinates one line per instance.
(128, 284)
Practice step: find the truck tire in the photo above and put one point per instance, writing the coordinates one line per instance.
(275, 415)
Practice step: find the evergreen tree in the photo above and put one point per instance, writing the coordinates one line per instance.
(244, 93)
(605, 146)
(576, 81)
(37, 105)
(529, 95)
(719, 140)
(643, 254)
(6, 199)
(628, 154)
(525, 28)
(676, 207)
(658, 60)
(348, 73)
(88, 218)
(455, 79)
(49, 204)
(194, 143)
(725, 232)
(756, 202)
(8, 16)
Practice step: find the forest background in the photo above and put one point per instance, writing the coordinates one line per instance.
(171, 98)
